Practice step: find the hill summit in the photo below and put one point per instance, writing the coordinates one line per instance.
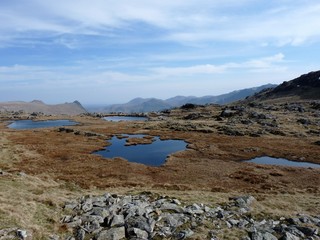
(154, 104)
(38, 106)
(307, 86)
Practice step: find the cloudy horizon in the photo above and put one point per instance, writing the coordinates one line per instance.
(106, 51)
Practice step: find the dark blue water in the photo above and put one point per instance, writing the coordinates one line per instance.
(282, 162)
(125, 118)
(29, 124)
(153, 154)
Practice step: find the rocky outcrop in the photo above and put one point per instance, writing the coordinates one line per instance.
(77, 132)
(147, 216)
(307, 86)
(256, 119)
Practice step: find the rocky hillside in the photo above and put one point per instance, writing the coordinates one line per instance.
(37, 106)
(153, 104)
(307, 86)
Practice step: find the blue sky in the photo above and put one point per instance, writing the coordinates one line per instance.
(103, 51)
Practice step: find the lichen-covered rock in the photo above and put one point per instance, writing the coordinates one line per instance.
(149, 217)
(112, 234)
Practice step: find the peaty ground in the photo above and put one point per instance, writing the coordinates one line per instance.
(43, 168)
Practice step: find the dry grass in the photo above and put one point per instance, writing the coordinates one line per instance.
(59, 166)
(35, 203)
(30, 203)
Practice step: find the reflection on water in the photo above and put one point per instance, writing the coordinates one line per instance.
(153, 154)
(282, 162)
(29, 124)
(124, 118)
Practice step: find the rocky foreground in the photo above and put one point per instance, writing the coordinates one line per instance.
(147, 216)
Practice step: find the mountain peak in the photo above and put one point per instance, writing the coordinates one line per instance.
(138, 100)
(37, 102)
(307, 86)
(154, 104)
(74, 108)
(77, 102)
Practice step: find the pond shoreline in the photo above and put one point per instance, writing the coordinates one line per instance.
(140, 148)
(31, 124)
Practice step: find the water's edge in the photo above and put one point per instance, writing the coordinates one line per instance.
(281, 162)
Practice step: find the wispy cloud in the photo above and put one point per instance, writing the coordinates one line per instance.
(261, 64)
(279, 22)
(70, 46)
(284, 26)
(67, 77)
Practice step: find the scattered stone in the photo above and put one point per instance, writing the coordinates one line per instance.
(193, 116)
(22, 234)
(112, 234)
(308, 231)
(3, 173)
(138, 233)
(262, 236)
(117, 221)
(289, 236)
(230, 131)
(184, 234)
(257, 115)
(304, 121)
(243, 201)
(154, 217)
(87, 205)
(80, 234)
(295, 107)
(227, 113)
(22, 174)
(90, 134)
(54, 237)
(8, 233)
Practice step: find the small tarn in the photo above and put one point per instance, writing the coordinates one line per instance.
(124, 118)
(30, 124)
(282, 162)
(151, 154)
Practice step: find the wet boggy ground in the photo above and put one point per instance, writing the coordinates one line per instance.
(219, 139)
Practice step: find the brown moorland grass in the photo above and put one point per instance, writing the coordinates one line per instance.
(60, 166)
(212, 161)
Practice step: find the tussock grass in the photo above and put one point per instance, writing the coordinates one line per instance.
(59, 168)
(35, 203)
(31, 203)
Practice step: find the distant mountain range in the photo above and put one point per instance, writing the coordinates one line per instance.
(37, 106)
(138, 105)
(307, 86)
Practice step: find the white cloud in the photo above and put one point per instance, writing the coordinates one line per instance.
(265, 62)
(153, 45)
(260, 64)
(182, 71)
(79, 76)
(282, 22)
(292, 25)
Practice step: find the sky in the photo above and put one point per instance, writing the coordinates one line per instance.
(111, 51)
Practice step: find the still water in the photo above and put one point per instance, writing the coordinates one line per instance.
(29, 124)
(282, 162)
(153, 154)
(124, 118)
